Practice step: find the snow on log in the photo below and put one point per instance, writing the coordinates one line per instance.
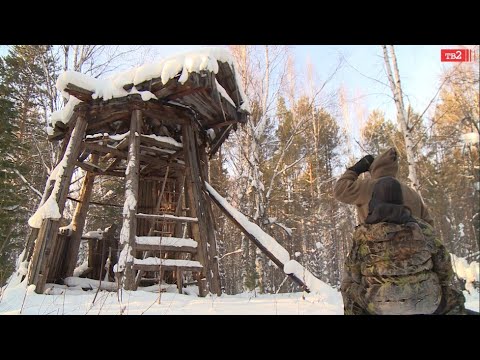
(90, 283)
(266, 243)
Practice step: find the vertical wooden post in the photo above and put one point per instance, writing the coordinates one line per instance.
(179, 274)
(29, 247)
(129, 228)
(197, 201)
(47, 235)
(212, 240)
(78, 222)
(179, 189)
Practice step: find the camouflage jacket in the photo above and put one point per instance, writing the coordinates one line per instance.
(396, 269)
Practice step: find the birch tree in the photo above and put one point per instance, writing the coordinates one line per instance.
(403, 118)
(262, 69)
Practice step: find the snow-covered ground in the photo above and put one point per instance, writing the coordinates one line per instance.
(16, 298)
(65, 301)
(74, 301)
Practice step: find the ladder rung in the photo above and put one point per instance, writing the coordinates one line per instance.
(158, 243)
(154, 264)
(167, 217)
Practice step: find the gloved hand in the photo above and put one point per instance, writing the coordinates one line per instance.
(362, 165)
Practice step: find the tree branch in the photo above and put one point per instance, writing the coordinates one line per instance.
(28, 184)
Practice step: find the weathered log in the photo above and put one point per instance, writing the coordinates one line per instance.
(46, 240)
(78, 222)
(249, 235)
(201, 230)
(129, 228)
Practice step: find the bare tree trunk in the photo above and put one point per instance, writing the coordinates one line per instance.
(402, 116)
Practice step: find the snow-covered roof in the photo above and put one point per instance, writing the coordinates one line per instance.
(178, 67)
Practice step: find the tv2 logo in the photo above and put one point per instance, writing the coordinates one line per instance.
(457, 55)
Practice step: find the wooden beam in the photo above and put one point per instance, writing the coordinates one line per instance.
(48, 233)
(249, 235)
(210, 223)
(220, 141)
(78, 92)
(97, 170)
(129, 228)
(113, 165)
(105, 149)
(95, 203)
(176, 155)
(223, 124)
(196, 196)
(29, 248)
(161, 144)
(78, 222)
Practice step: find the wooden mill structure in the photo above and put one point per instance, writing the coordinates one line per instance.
(160, 146)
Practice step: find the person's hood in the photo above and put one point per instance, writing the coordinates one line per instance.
(385, 164)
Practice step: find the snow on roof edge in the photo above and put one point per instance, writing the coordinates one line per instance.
(189, 61)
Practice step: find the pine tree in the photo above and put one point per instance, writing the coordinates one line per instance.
(25, 76)
(11, 202)
(452, 170)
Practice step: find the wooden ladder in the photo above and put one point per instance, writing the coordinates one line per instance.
(163, 239)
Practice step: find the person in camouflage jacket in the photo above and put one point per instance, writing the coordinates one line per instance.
(397, 265)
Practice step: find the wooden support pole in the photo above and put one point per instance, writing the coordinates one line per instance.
(210, 225)
(180, 187)
(194, 191)
(179, 275)
(47, 235)
(129, 228)
(78, 222)
(29, 248)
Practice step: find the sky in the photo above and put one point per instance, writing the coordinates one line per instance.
(362, 76)
(419, 65)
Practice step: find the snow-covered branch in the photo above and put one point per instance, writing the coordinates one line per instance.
(27, 183)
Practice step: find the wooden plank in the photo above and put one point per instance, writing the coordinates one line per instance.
(98, 171)
(164, 248)
(78, 92)
(149, 151)
(58, 259)
(154, 160)
(48, 233)
(99, 250)
(165, 267)
(104, 149)
(159, 142)
(129, 228)
(78, 222)
(107, 118)
(167, 217)
(226, 78)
